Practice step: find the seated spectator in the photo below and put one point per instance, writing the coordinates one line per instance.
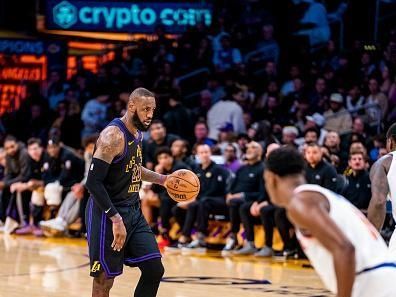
(166, 165)
(332, 142)
(311, 135)
(213, 179)
(70, 209)
(61, 170)
(249, 212)
(34, 184)
(231, 161)
(16, 170)
(355, 100)
(158, 138)
(180, 152)
(337, 117)
(267, 45)
(247, 187)
(201, 132)
(376, 97)
(358, 187)
(318, 171)
(289, 136)
(318, 97)
(227, 57)
(316, 121)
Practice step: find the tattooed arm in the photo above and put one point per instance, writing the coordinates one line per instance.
(379, 191)
(153, 177)
(109, 145)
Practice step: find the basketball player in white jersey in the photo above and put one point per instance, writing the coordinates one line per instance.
(346, 251)
(383, 184)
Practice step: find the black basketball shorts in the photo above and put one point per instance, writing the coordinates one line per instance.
(140, 244)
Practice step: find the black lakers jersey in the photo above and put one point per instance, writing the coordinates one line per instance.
(124, 176)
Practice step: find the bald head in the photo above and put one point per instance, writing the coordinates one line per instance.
(271, 148)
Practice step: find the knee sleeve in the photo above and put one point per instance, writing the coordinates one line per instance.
(152, 270)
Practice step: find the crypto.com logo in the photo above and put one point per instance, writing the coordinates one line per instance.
(65, 14)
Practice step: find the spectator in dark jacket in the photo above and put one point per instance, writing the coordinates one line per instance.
(158, 138)
(318, 171)
(62, 169)
(213, 179)
(16, 170)
(358, 189)
(166, 165)
(247, 186)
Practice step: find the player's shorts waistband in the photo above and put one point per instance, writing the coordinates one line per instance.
(382, 265)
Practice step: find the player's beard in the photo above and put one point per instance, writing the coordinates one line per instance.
(138, 123)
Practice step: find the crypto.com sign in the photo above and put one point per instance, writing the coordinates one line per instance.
(141, 17)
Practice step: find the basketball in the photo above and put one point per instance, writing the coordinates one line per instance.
(182, 185)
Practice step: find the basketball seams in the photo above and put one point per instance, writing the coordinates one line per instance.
(186, 181)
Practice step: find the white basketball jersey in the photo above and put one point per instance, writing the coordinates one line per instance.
(370, 249)
(391, 176)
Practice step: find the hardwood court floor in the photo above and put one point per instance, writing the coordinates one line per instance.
(59, 267)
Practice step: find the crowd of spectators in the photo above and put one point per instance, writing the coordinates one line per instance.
(330, 104)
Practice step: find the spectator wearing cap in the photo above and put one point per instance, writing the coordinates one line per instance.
(74, 203)
(289, 135)
(62, 168)
(316, 121)
(94, 114)
(337, 117)
(227, 110)
(318, 171)
(226, 136)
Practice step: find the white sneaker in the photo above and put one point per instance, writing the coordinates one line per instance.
(10, 225)
(195, 246)
(231, 244)
(57, 224)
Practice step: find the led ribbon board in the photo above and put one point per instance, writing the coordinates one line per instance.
(139, 17)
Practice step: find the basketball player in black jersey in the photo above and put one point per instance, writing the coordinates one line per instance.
(118, 234)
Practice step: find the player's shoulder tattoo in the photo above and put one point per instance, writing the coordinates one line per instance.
(110, 144)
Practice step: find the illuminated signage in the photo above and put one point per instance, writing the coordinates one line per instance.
(140, 17)
(10, 46)
(30, 47)
(21, 73)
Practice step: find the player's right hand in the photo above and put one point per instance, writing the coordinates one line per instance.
(119, 234)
